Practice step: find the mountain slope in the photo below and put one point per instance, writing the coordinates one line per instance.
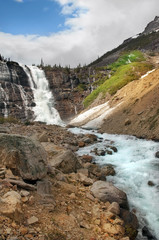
(147, 41)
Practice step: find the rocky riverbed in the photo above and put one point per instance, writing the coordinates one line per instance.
(48, 192)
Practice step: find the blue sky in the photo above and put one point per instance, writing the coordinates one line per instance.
(40, 17)
(69, 32)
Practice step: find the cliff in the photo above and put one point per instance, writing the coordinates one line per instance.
(16, 98)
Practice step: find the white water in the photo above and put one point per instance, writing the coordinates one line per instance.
(5, 98)
(24, 98)
(44, 110)
(135, 165)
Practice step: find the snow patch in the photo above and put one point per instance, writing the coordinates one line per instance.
(145, 75)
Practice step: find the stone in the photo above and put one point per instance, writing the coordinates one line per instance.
(81, 144)
(43, 137)
(24, 193)
(114, 208)
(4, 129)
(106, 191)
(22, 184)
(24, 156)
(32, 220)
(127, 122)
(10, 205)
(44, 187)
(66, 161)
(157, 154)
(151, 184)
(23, 230)
(84, 171)
(85, 180)
(113, 229)
(87, 158)
(107, 171)
(130, 222)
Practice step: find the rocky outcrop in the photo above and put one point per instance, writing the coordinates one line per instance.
(16, 96)
(152, 26)
(69, 87)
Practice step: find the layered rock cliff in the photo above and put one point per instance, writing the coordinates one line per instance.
(16, 96)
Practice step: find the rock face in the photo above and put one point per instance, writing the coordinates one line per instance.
(152, 26)
(69, 87)
(106, 191)
(15, 92)
(24, 156)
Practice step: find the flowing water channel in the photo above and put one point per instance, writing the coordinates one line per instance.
(135, 165)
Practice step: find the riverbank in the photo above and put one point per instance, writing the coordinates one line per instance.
(62, 202)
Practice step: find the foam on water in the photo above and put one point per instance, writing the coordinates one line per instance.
(135, 165)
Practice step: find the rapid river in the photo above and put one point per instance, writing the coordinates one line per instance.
(135, 165)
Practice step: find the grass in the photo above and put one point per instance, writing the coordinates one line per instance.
(8, 120)
(127, 68)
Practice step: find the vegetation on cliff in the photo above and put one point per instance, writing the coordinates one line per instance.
(128, 67)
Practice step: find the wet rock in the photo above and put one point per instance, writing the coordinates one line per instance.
(157, 154)
(23, 155)
(147, 233)
(151, 184)
(130, 222)
(66, 161)
(107, 171)
(108, 152)
(106, 191)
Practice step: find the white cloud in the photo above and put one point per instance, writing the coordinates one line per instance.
(94, 28)
(20, 1)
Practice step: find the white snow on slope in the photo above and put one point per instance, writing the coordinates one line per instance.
(145, 75)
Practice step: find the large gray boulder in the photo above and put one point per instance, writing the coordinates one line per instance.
(66, 162)
(106, 191)
(24, 156)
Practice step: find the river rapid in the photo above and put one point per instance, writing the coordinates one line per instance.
(136, 166)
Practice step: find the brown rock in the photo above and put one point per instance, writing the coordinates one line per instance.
(114, 208)
(87, 158)
(66, 162)
(81, 144)
(113, 229)
(106, 191)
(32, 220)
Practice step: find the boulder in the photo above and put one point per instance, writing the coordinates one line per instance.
(24, 156)
(66, 161)
(106, 191)
(130, 222)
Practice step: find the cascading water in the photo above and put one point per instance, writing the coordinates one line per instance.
(44, 110)
(136, 165)
(5, 98)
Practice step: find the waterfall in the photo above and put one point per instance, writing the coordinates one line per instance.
(44, 110)
(24, 98)
(5, 98)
